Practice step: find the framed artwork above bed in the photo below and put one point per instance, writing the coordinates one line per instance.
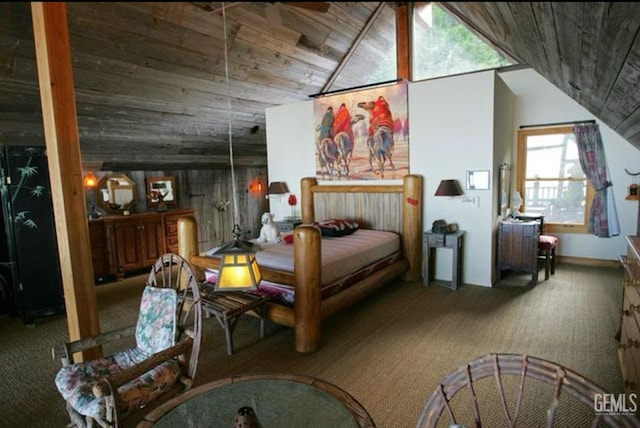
(362, 135)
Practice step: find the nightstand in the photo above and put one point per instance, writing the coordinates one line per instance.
(286, 226)
(454, 241)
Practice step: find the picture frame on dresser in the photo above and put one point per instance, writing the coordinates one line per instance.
(161, 190)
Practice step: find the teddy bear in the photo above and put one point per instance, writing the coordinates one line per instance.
(269, 231)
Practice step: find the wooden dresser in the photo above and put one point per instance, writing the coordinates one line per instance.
(518, 247)
(121, 244)
(629, 348)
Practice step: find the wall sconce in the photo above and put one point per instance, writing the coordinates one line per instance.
(255, 186)
(277, 188)
(449, 188)
(90, 182)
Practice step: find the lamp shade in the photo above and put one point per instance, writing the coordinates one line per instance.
(238, 268)
(449, 188)
(277, 188)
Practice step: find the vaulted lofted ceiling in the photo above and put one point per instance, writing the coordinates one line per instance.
(150, 77)
(590, 51)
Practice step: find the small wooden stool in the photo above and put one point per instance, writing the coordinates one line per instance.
(227, 306)
(547, 248)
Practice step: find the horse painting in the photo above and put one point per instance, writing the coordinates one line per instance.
(380, 139)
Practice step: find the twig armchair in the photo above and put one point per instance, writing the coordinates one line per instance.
(118, 388)
(509, 390)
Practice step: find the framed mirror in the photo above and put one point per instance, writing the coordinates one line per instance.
(116, 193)
(161, 192)
(504, 190)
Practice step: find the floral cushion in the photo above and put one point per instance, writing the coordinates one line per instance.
(156, 328)
(155, 332)
(75, 382)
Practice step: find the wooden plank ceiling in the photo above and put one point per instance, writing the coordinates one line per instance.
(590, 51)
(150, 76)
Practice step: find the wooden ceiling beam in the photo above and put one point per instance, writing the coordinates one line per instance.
(354, 46)
(404, 17)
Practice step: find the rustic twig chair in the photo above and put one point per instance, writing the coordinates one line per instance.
(115, 390)
(524, 389)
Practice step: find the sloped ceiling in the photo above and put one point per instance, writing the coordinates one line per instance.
(590, 51)
(150, 77)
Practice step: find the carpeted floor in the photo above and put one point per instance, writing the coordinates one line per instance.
(389, 351)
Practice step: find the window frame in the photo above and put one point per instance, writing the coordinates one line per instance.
(549, 226)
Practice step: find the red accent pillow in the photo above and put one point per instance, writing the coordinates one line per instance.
(288, 239)
(337, 227)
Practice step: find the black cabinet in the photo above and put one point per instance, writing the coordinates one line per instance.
(30, 279)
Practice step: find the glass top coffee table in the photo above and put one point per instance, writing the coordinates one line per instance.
(279, 400)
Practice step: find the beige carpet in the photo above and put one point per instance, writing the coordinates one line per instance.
(389, 351)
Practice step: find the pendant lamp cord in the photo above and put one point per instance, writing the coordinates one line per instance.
(236, 219)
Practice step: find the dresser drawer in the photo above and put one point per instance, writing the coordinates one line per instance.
(629, 353)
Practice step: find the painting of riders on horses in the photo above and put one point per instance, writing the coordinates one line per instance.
(362, 135)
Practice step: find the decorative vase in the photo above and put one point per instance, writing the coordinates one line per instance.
(246, 418)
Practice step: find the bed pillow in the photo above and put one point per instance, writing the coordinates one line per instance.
(337, 227)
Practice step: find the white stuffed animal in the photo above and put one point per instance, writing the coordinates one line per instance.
(269, 231)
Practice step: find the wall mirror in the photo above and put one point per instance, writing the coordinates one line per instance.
(477, 180)
(504, 189)
(161, 192)
(116, 193)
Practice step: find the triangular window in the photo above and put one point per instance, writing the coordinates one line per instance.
(442, 46)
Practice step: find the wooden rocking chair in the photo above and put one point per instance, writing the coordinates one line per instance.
(116, 390)
(510, 389)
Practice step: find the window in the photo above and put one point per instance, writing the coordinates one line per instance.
(442, 46)
(551, 181)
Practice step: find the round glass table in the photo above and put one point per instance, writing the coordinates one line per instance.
(279, 400)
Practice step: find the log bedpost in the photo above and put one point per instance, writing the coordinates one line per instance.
(188, 240)
(307, 206)
(308, 277)
(412, 226)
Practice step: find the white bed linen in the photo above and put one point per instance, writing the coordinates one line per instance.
(340, 256)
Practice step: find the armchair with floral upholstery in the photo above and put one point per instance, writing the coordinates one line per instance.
(114, 390)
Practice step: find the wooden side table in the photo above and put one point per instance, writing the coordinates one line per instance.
(228, 306)
(453, 240)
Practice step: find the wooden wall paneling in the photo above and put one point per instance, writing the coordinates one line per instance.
(208, 188)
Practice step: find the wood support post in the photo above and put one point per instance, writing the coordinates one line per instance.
(55, 77)
(404, 16)
(412, 225)
(308, 275)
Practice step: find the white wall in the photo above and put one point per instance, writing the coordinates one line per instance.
(451, 131)
(537, 102)
(455, 127)
(502, 152)
(290, 151)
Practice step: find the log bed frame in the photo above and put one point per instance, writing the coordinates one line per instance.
(309, 310)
